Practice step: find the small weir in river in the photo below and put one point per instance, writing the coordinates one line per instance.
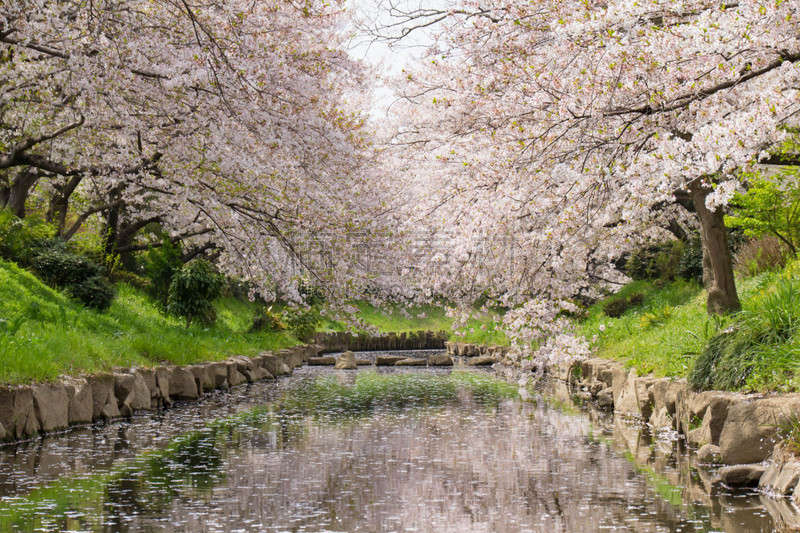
(394, 449)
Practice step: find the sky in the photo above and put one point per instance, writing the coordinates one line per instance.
(389, 59)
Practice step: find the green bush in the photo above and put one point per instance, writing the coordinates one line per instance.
(616, 308)
(95, 292)
(690, 266)
(20, 238)
(312, 295)
(771, 206)
(655, 261)
(62, 268)
(161, 265)
(303, 323)
(759, 350)
(265, 319)
(59, 267)
(193, 290)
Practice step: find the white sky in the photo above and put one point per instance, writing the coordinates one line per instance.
(389, 60)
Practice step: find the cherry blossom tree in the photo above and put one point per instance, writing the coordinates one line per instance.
(557, 134)
(233, 124)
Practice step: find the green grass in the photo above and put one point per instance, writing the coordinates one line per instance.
(757, 349)
(396, 318)
(660, 336)
(43, 333)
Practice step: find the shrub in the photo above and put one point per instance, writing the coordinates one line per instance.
(303, 323)
(162, 264)
(20, 238)
(59, 267)
(616, 308)
(760, 255)
(265, 319)
(95, 292)
(690, 266)
(771, 206)
(193, 290)
(134, 280)
(655, 261)
(758, 350)
(313, 296)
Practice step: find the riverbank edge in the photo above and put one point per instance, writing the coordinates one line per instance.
(28, 411)
(745, 435)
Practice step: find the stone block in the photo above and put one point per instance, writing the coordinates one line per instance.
(80, 399)
(104, 402)
(218, 374)
(51, 404)
(440, 360)
(411, 361)
(346, 361)
(327, 360)
(751, 428)
(182, 384)
(742, 475)
(388, 360)
(482, 360)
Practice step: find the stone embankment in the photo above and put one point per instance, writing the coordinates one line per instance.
(742, 434)
(341, 341)
(29, 410)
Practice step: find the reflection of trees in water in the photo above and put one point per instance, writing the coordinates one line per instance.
(515, 467)
(470, 461)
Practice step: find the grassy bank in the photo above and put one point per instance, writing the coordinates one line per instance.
(43, 333)
(667, 332)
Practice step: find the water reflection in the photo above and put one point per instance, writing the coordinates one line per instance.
(416, 450)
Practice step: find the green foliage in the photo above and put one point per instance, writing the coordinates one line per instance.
(655, 261)
(95, 292)
(20, 238)
(312, 295)
(659, 335)
(771, 206)
(303, 322)
(265, 319)
(193, 290)
(690, 266)
(64, 269)
(161, 265)
(59, 267)
(760, 349)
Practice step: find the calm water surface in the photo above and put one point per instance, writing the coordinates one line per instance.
(403, 450)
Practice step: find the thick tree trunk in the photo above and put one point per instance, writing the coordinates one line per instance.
(14, 196)
(717, 261)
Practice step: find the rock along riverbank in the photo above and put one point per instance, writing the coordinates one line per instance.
(741, 434)
(30, 410)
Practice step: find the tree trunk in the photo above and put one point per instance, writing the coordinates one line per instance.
(717, 261)
(59, 203)
(15, 195)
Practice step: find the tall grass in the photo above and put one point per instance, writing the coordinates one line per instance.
(760, 350)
